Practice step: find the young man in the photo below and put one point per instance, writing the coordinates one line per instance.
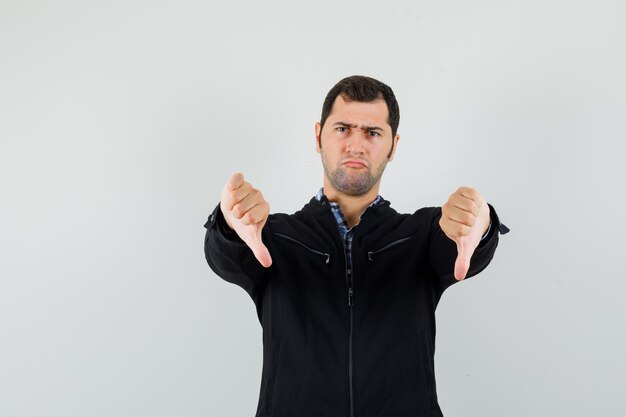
(346, 288)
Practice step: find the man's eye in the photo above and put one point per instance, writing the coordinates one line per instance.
(372, 133)
(342, 129)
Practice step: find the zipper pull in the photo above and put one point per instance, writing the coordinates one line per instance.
(350, 297)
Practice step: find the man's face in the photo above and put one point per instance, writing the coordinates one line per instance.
(355, 145)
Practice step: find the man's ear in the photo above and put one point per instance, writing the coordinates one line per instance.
(318, 132)
(396, 139)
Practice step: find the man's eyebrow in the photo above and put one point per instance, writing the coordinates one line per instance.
(344, 124)
(372, 128)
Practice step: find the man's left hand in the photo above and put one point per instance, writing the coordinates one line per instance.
(464, 219)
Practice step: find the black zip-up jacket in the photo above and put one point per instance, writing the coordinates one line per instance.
(340, 346)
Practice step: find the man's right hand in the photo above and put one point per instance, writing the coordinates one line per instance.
(245, 210)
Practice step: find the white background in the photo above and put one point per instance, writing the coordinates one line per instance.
(120, 121)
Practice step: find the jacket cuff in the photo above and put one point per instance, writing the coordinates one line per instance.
(495, 228)
(217, 222)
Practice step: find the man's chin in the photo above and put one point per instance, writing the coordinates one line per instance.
(354, 189)
(353, 182)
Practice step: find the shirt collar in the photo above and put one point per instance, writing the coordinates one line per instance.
(337, 210)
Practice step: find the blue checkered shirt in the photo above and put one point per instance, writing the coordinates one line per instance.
(346, 233)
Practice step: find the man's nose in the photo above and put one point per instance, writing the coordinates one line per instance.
(356, 142)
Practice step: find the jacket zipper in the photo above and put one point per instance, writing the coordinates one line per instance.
(370, 254)
(325, 255)
(350, 365)
(351, 307)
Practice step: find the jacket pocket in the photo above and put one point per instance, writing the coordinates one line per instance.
(371, 254)
(325, 256)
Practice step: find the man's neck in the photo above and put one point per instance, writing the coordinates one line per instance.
(351, 206)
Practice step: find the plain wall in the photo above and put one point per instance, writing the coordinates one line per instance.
(120, 121)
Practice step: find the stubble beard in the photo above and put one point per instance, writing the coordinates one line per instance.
(351, 183)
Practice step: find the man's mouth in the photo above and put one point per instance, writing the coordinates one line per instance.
(355, 164)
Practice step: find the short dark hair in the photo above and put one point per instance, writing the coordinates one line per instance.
(364, 89)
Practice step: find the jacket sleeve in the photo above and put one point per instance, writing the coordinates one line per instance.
(229, 257)
(443, 252)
